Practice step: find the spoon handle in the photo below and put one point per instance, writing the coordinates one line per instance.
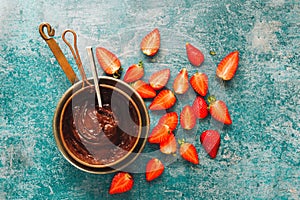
(60, 57)
(95, 75)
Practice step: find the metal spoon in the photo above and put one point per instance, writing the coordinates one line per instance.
(95, 75)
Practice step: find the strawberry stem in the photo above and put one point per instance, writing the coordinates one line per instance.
(213, 53)
(117, 74)
(140, 64)
(211, 99)
(181, 141)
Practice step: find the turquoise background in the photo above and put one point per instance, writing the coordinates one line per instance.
(259, 156)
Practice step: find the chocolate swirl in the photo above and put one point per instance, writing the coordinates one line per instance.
(95, 125)
(96, 135)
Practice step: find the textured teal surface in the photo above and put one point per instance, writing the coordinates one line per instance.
(259, 157)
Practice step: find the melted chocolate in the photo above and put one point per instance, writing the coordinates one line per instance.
(100, 135)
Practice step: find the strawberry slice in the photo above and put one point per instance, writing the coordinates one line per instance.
(108, 61)
(154, 169)
(121, 182)
(200, 107)
(199, 82)
(150, 43)
(159, 79)
(228, 66)
(189, 153)
(194, 55)
(170, 119)
(144, 89)
(164, 100)
(181, 82)
(169, 145)
(210, 140)
(159, 134)
(187, 117)
(219, 111)
(134, 72)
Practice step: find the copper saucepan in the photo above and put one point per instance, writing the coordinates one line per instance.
(82, 142)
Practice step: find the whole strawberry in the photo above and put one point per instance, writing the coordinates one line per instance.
(195, 56)
(210, 140)
(200, 107)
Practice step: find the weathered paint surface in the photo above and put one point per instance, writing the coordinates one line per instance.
(259, 157)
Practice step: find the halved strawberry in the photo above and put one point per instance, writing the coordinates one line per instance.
(159, 134)
(187, 117)
(200, 107)
(121, 182)
(150, 43)
(181, 82)
(194, 55)
(199, 82)
(144, 89)
(219, 111)
(154, 169)
(164, 100)
(108, 61)
(210, 140)
(189, 153)
(159, 79)
(228, 66)
(170, 119)
(134, 72)
(169, 145)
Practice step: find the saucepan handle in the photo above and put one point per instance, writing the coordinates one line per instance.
(60, 57)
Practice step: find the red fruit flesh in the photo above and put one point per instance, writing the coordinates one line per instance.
(219, 111)
(170, 119)
(181, 82)
(159, 79)
(228, 66)
(164, 100)
(134, 73)
(144, 89)
(150, 43)
(169, 145)
(107, 60)
(199, 82)
(195, 56)
(189, 153)
(210, 141)
(200, 107)
(154, 169)
(187, 118)
(159, 134)
(121, 182)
